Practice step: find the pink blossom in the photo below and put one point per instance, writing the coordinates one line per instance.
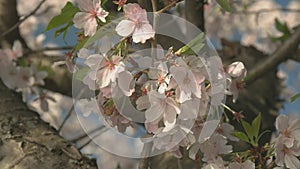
(87, 19)
(171, 140)
(236, 72)
(135, 24)
(9, 55)
(159, 73)
(38, 76)
(108, 72)
(15, 52)
(286, 155)
(215, 146)
(289, 128)
(226, 130)
(187, 83)
(162, 107)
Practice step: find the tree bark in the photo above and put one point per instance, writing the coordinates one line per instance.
(194, 13)
(8, 17)
(28, 142)
(25, 140)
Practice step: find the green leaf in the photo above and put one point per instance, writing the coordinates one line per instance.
(65, 17)
(225, 5)
(193, 47)
(295, 97)
(248, 129)
(282, 27)
(242, 136)
(80, 74)
(63, 30)
(256, 126)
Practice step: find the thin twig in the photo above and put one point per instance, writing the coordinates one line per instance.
(267, 11)
(23, 19)
(284, 52)
(166, 8)
(66, 118)
(102, 130)
(86, 134)
(70, 111)
(154, 41)
(48, 49)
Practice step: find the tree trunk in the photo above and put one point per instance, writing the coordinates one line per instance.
(25, 140)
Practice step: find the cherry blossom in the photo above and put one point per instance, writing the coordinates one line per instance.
(160, 75)
(289, 128)
(135, 24)
(120, 3)
(143, 102)
(108, 72)
(236, 72)
(226, 130)
(215, 146)
(189, 109)
(9, 55)
(16, 52)
(87, 18)
(92, 62)
(286, 154)
(187, 83)
(38, 76)
(173, 139)
(162, 107)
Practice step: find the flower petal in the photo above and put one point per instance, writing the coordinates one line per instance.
(143, 33)
(125, 28)
(80, 19)
(126, 83)
(143, 102)
(90, 27)
(85, 5)
(281, 123)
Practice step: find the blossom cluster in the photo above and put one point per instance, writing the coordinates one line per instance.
(22, 77)
(173, 92)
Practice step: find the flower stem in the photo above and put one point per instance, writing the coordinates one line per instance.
(154, 41)
(171, 5)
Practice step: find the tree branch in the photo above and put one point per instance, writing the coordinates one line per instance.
(22, 20)
(267, 11)
(280, 55)
(46, 49)
(194, 13)
(296, 56)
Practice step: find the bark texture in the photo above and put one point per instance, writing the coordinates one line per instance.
(26, 142)
(8, 17)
